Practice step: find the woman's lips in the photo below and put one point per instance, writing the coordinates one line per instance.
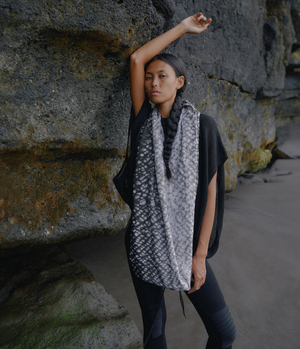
(154, 93)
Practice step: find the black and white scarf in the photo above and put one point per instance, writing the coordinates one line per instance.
(163, 214)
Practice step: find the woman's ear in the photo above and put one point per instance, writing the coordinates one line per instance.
(180, 82)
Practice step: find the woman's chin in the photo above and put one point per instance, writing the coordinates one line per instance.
(155, 99)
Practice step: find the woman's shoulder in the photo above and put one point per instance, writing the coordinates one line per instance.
(208, 121)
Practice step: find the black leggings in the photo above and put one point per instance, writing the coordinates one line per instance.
(208, 301)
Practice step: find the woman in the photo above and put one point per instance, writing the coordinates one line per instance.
(173, 181)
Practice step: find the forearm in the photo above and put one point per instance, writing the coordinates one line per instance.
(194, 24)
(208, 220)
(153, 47)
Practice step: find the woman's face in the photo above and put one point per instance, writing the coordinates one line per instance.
(161, 83)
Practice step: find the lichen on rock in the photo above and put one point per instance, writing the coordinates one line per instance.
(259, 160)
(45, 192)
(48, 300)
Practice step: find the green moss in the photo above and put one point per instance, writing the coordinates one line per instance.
(39, 185)
(259, 160)
(50, 333)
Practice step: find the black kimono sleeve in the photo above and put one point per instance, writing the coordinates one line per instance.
(212, 156)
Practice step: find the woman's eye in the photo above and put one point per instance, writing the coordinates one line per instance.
(162, 76)
(148, 77)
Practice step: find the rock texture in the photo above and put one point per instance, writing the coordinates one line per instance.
(288, 108)
(64, 109)
(288, 142)
(64, 88)
(53, 196)
(48, 300)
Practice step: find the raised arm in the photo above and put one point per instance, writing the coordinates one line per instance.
(195, 24)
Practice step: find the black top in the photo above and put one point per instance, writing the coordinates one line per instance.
(212, 156)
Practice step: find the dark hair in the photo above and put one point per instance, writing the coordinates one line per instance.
(175, 112)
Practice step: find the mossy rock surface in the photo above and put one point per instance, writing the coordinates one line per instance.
(53, 196)
(48, 300)
(259, 160)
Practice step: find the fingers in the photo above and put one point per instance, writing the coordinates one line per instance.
(197, 284)
(206, 22)
(202, 19)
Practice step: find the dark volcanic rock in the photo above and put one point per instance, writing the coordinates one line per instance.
(288, 141)
(64, 100)
(48, 300)
(288, 107)
(54, 196)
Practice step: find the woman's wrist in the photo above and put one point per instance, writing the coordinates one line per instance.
(183, 28)
(201, 256)
(201, 251)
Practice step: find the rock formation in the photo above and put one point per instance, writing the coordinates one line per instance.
(64, 101)
(288, 107)
(48, 300)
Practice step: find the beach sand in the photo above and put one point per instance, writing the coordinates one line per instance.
(257, 266)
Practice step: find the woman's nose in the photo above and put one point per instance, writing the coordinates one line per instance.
(155, 81)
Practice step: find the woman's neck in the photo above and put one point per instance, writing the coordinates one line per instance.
(165, 108)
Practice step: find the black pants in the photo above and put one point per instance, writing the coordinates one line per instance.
(208, 301)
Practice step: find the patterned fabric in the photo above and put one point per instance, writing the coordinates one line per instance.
(163, 213)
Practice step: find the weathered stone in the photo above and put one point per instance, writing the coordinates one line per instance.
(245, 124)
(64, 88)
(288, 107)
(48, 300)
(288, 141)
(278, 38)
(288, 110)
(50, 196)
(296, 19)
(295, 58)
(259, 160)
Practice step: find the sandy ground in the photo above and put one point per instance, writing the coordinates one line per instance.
(257, 266)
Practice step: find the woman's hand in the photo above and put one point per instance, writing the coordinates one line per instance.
(198, 273)
(196, 24)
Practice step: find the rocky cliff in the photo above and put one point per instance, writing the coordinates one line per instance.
(65, 100)
(64, 109)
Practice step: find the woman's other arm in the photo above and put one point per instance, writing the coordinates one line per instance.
(198, 262)
(195, 24)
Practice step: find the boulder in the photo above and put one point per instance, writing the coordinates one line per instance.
(288, 141)
(288, 106)
(48, 300)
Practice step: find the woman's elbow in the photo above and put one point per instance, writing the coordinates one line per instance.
(134, 58)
